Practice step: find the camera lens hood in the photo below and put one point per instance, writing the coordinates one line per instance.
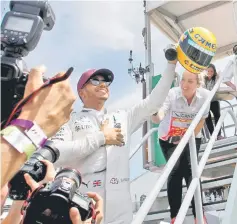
(71, 174)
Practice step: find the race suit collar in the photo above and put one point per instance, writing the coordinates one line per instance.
(99, 114)
(103, 111)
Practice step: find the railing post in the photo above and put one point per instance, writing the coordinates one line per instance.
(194, 166)
(230, 214)
(144, 139)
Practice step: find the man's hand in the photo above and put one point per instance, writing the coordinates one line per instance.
(52, 106)
(173, 62)
(171, 46)
(113, 136)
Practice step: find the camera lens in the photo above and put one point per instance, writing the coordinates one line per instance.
(70, 174)
(18, 188)
(48, 152)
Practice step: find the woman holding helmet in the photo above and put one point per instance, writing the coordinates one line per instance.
(195, 50)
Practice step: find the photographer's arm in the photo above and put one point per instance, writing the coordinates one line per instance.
(50, 109)
(14, 215)
(11, 161)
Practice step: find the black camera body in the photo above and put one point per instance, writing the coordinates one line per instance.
(21, 30)
(50, 203)
(18, 188)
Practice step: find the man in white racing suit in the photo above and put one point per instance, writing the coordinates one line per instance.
(97, 143)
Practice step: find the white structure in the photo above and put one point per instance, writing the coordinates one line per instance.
(173, 18)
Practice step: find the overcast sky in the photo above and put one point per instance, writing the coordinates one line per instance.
(100, 34)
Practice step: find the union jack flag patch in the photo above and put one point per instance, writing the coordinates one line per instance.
(96, 183)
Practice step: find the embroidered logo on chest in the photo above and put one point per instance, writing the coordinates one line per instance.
(83, 123)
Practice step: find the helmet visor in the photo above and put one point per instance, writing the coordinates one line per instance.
(195, 52)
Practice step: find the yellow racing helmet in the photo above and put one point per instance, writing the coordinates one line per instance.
(195, 49)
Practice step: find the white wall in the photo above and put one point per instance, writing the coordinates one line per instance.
(143, 185)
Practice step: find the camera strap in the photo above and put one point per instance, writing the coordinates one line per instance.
(49, 82)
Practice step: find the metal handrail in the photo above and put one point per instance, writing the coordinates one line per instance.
(199, 169)
(144, 209)
(232, 106)
(144, 139)
(230, 215)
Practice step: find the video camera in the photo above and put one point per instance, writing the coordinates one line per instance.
(21, 30)
(50, 203)
(18, 188)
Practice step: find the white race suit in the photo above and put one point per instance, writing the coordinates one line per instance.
(105, 168)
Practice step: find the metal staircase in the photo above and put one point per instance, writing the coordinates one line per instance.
(215, 167)
(221, 147)
(216, 180)
(215, 187)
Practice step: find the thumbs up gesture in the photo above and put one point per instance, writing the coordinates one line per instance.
(113, 136)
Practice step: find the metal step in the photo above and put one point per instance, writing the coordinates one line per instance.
(221, 147)
(206, 184)
(220, 166)
(218, 191)
(165, 214)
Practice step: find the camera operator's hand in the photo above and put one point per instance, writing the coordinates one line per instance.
(50, 174)
(50, 109)
(98, 208)
(52, 106)
(75, 216)
(99, 205)
(113, 136)
(14, 215)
